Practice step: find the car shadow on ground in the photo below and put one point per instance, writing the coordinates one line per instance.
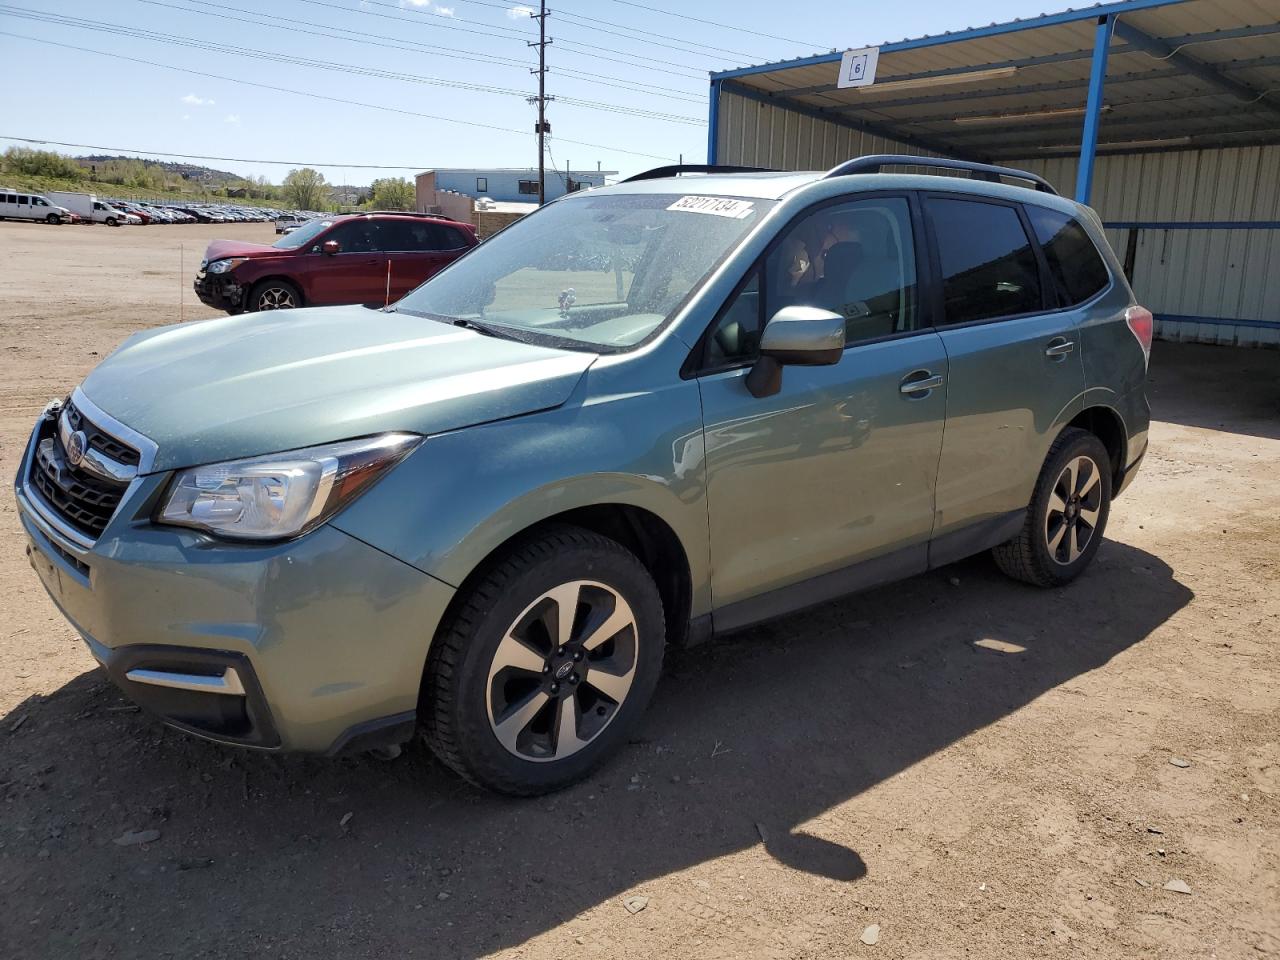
(748, 738)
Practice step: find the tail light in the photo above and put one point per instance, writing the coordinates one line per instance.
(1143, 325)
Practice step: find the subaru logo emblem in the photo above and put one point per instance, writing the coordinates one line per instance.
(77, 444)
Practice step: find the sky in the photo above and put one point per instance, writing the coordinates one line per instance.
(411, 84)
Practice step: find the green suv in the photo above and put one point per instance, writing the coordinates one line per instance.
(641, 416)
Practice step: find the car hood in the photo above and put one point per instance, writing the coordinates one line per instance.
(265, 382)
(221, 249)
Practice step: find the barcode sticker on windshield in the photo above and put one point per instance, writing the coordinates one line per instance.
(716, 206)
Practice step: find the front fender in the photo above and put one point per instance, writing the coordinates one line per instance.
(463, 494)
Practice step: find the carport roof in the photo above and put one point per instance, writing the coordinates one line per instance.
(1181, 74)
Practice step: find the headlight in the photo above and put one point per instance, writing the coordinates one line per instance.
(222, 266)
(281, 495)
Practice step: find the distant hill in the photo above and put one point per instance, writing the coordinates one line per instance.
(187, 171)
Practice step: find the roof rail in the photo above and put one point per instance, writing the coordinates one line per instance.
(675, 169)
(408, 213)
(980, 171)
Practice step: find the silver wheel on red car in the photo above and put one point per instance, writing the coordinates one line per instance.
(275, 295)
(545, 664)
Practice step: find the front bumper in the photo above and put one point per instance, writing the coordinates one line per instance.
(220, 291)
(317, 644)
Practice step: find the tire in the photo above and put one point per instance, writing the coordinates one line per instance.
(54, 219)
(273, 295)
(112, 222)
(1067, 516)
(493, 706)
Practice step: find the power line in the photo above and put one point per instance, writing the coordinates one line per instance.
(317, 96)
(199, 156)
(649, 33)
(290, 24)
(722, 26)
(589, 51)
(352, 69)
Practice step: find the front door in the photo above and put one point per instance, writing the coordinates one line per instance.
(1015, 360)
(839, 466)
(357, 273)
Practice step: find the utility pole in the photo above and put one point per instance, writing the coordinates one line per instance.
(542, 127)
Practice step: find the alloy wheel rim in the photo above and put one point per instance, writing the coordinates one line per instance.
(1075, 503)
(562, 671)
(275, 298)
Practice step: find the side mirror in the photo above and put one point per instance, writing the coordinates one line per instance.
(330, 247)
(796, 336)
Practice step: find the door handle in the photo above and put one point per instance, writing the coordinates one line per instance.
(1059, 347)
(919, 381)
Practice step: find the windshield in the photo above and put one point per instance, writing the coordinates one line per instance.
(303, 235)
(605, 271)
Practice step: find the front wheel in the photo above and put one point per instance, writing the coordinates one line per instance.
(1067, 515)
(545, 665)
(274, 295)
(112, 222)
(53, 218)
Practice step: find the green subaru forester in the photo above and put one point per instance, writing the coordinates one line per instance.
(638, 417)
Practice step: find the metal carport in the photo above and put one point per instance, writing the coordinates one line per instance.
(1163, 114)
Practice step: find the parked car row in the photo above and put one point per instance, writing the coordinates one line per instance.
(60, 206)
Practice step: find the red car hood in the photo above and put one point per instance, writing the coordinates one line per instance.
(221, 249)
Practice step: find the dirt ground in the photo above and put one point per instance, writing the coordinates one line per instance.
(978, 768)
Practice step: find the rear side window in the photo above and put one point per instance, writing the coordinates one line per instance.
(989, 268)
(1074, 262)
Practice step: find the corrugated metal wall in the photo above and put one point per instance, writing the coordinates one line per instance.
(755, 134)
(1208, 276)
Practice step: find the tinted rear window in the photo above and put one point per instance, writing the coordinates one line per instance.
(1074, 262)
(989, 268)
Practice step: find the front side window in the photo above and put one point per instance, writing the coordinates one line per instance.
(989, 268)
(39, 201)
(1074, 261)
(600, 271)
(856, 259)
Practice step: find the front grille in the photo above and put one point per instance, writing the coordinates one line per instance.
(82, 499)
(102, 442)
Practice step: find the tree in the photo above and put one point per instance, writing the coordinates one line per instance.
(392, 193)
(305, 189)
(40, 163)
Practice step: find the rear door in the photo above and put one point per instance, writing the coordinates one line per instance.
(418, 249)
(1015, 373)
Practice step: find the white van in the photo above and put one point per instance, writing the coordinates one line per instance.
(16, 205)
(89, 207)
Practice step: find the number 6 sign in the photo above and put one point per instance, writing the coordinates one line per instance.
(858, 67)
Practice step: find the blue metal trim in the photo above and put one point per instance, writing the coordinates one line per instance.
(976, 33)
(1209, 73)
(1093, 109)
(713, 123)
(1193, 225)
(1217, 321)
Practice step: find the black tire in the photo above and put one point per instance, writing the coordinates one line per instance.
(458, 688)
(53, 218)
(112, 222)
(1039, 554)
(273, 295)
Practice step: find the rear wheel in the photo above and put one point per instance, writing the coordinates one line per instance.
(1067, 515)
(274, 295)
(546, 665)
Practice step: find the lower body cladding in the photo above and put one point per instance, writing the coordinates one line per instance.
(219, 291)
(317, 644)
